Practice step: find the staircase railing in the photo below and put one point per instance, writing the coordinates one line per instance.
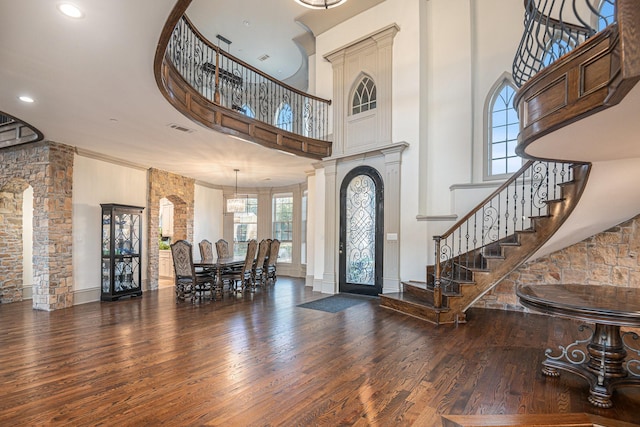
(553, 28)
(508, 210)
(227, 81)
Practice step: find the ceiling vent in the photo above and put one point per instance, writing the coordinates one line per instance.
(263, 57)
(180, 128)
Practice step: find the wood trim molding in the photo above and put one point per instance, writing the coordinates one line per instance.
(569, 90)
(596, 75)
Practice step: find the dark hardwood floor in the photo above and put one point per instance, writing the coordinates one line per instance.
(260, 360)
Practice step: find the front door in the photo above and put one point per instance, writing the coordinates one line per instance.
(361, 230)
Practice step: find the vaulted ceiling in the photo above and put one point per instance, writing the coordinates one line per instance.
(93, 84)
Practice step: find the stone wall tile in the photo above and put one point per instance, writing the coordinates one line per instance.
(48, 168)
(608, 258)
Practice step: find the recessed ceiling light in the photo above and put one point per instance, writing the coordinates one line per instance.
(70, 10)
(25, 98)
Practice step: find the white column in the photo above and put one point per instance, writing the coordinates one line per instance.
(329, 277)
(338, 102)
(296, 267)
(311, 226)
(392, 202)
(265, 230)
(319, 227)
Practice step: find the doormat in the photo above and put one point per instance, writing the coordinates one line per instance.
(335, 303)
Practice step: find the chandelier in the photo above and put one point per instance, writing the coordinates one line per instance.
(320, 4)
(236, 204)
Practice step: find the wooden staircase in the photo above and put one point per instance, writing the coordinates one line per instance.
(475, 255)
(478, 266)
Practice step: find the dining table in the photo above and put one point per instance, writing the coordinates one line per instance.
(604, 354)
(218, 265)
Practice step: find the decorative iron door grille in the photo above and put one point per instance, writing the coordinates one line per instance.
(361, 229)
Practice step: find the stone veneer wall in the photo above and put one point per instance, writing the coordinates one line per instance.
(11, 268)
(48, 168)
(180, 191)
(608, 258)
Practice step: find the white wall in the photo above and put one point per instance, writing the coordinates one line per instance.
(95, 182)
(497, 32)
(207, 216)
(405, 105)
(446, 56)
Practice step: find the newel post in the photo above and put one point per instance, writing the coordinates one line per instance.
(437, 289)
(216, 94)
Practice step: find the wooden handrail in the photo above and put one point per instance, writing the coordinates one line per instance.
(498, 190)
(511, 208)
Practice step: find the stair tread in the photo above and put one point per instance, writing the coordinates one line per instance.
(427, 287)
(412, 299)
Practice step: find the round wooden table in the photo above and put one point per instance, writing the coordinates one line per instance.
(601, 358)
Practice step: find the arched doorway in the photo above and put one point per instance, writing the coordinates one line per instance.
(361, 232)
(16, 224)
(165, 263)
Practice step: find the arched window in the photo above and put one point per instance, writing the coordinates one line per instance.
(284, 117)
(502, 132)
(248, 111)
(556, 47)
(606, 14)
(364, 97)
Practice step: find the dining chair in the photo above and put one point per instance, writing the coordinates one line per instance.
(272, 261)
(259, 270)
(244, 278)
(206, 250)
(189, 283)
(222, 248)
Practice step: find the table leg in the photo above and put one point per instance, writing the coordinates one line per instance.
(602, 363)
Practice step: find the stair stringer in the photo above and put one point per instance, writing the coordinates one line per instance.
(530, 242)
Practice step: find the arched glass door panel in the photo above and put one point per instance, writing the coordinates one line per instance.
(360, 243)
(361, 229)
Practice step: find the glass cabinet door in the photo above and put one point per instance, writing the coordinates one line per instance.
(121, 251)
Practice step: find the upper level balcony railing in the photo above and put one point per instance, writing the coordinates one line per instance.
(16, 132)
(229, 82)
(6, 119)
(553, 28)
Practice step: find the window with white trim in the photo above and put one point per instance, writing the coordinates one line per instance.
(283, 225)
(503, 127)
(364, 97)
(245, 226)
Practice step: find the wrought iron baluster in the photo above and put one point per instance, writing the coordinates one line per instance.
(551, 29)
(233, 85)
(437, 290)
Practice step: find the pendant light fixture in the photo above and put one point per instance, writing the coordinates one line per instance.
(320, 4)
(236, 204)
